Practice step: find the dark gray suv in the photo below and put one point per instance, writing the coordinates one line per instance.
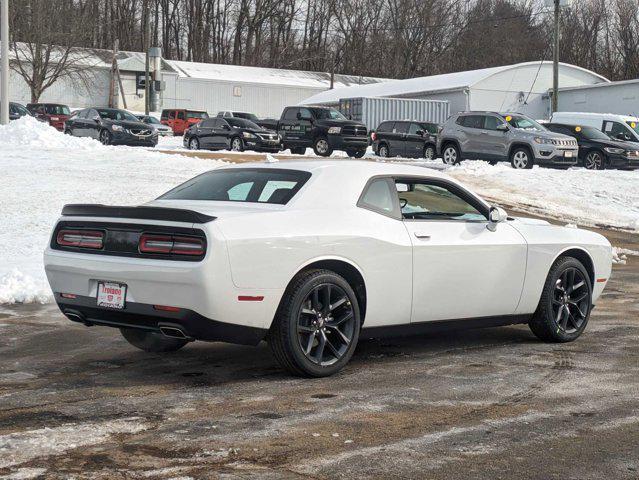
(504, 137)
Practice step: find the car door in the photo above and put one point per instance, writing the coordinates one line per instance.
(222, 134)
(397, 143)
(470, 127)
(92, 124)
(461, 269)
(288, 128)
(492, 142)
(78, 124)
(414, 141)
(205, 132)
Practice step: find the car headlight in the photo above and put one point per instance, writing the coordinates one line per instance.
(334, 130)
(117, 128)
(248, 135)
(543, 140)
(615, 151)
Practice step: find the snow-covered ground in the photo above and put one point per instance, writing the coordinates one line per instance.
(43, 169)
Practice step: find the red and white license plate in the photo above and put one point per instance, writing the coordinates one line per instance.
(111, 295)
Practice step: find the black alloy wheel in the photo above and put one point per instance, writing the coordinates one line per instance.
(594, 160)
(565, 303)
(105, 137)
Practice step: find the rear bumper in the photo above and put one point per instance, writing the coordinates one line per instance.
(145, 317)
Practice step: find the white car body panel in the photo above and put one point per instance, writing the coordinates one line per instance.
(464, 270)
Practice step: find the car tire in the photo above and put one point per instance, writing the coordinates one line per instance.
(429, 152)
(237, 145)
(105, 137)
(356, 153)
(317, 325)
(152, 342)
(595, 160)
(521, 158)
(194, 143)
(450, 154)
(565, 304)
(383, 151)
(321, 147)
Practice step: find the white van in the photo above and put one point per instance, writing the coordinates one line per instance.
(618, 127)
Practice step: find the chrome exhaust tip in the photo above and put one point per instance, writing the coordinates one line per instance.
(173, 332)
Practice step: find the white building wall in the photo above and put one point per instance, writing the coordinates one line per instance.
(264, 100)
(620, 97)
(524, 89)
(66, 91)
(457, 99)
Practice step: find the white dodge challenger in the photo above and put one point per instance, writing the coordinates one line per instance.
(313, 255)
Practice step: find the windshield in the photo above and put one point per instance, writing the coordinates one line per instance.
(524, 123)
(634, 125)
(242, 123)
(151, 120)
(253, 185)
(592, 133)
(113, 114)
(327, 114)
(20, 109)
(191, 114)
(57, 110)
(247, 116)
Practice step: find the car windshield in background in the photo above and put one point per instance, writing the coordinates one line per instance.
(593, 134)
(151, 120)
(117, 115)
(252, 185)
(327, 114)
(242, 123)
(634, 126)
(20, 109)
(57, 110)
(197, 115)
(524, 123)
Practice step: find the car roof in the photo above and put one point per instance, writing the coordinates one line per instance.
(595, 115)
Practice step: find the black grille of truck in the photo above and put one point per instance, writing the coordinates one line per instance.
(354, 130)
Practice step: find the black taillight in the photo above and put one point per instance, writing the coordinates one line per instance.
(171, 245)
(81, 239)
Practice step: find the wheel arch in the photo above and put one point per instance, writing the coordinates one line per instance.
(347, 269)
(448, 141)
(583, 256)
(525, 145)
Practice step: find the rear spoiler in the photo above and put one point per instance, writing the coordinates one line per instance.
(144, 213)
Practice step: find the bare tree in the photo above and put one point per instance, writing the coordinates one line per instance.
(45, 52)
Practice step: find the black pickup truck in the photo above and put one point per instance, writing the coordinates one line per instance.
(322, 128)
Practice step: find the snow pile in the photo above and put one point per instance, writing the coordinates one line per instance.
(620, 255)
(608, 198)
(43, 169)
(32, 133)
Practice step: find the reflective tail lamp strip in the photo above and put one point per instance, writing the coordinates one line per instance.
(249, 298)
(601, 280)
(171, 245)
(80, 238)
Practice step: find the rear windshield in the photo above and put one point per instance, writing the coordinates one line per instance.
(191, 114)
(57, 109)
(253, 185)
(241, 123)
(247, 116)
(116, 115)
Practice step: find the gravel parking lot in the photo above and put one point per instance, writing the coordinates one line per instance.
(80, 402)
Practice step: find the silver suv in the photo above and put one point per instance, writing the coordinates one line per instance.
(504, 137)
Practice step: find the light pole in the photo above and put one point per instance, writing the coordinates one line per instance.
(4, 62)
(555, 61)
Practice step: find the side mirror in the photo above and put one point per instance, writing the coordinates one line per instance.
(96, 119)
(623, 136)
(420, 133)
(226, 127)
(496, 215)
(502, 127)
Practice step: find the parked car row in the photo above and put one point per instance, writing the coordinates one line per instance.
(111, 126)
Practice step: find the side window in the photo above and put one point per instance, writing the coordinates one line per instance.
(400, 127)
(306, 113)
(379, 196)
(240, 192)
(181, 115)
(434, 201)
(291, 114)
(385, 127)
(92, 114)
(414, 128)
(165, 115)
(207, 123)
(491, 122)
(171, 115)
(614, 129)
(473, 121)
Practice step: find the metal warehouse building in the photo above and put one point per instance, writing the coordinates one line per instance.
(523, 87)
(614, 97)
(200, 86)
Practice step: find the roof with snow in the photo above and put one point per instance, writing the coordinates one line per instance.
(434, 83)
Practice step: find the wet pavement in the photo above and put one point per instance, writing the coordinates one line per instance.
(495, 403)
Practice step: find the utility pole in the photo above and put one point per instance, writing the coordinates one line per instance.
(555, 61)
(114, 61)
(147, 80)
(4, 62)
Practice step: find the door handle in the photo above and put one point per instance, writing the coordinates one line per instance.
(423, 236)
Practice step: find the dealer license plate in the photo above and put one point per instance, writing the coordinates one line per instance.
(568, 154)
(111, 295)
